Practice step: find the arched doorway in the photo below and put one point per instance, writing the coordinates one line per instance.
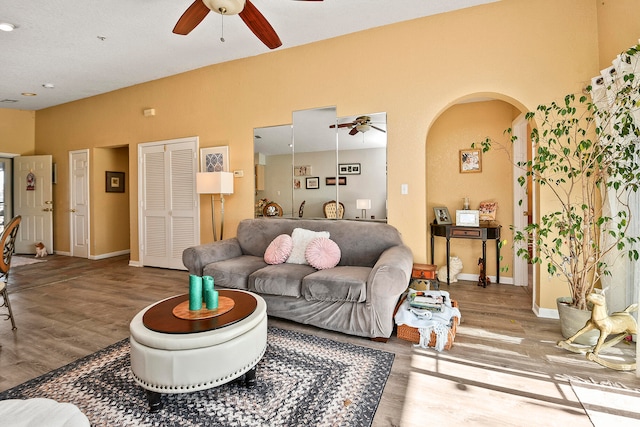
(465, 122)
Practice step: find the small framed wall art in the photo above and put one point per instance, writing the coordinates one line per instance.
(302, 170)
(331, 180)
(114, 182)
(313, 183)
(349, 168)
(214, 159)
(470, 160)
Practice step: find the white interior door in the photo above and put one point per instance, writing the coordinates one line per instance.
(33, 200)
(520, 200)
(79, 199)
(6, 180)
(169, 209)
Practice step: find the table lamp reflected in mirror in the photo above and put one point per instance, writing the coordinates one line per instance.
(363, 204)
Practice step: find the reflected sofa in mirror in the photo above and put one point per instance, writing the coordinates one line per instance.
(321, 158)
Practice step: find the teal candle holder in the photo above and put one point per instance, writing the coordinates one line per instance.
(212, 301)
(195, 292)
(207, 289)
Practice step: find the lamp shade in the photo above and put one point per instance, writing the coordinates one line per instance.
(363, 203)
(214, 183)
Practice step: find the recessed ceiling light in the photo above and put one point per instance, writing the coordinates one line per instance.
(5, 26)
(28, 94)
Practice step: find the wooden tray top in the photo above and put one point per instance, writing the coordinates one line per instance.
(182, 311)
(161, 317)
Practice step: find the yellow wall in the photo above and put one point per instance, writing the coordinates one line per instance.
(457, 128)
(110, 220)
(512, 49)
(17, 131)
(618, 22)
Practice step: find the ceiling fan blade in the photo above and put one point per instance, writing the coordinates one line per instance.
(342, 125)
(353, 131)
(191, 18)
(377, 128)
(259, 25)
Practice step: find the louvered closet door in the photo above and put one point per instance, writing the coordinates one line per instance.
(168, 202)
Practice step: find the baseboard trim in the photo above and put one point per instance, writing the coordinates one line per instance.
(110, 255)
(546, 313)
(64, 253)
(475, 277)
(135, 263)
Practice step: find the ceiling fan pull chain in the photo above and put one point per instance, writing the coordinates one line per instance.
(222, 28)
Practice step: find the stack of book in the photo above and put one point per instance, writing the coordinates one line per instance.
(427, 300)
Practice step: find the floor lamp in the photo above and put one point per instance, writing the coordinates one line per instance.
(215, 183)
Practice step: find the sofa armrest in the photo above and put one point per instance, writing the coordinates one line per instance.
(196, 258)
(391, 273)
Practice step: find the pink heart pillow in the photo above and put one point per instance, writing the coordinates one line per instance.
(322, 253)
(278, 250)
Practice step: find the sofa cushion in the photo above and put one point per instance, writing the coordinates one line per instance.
(283, 279)
(233, 273)
(322, 253)
(301, 238)
(361, 242)
(279, 249)
(337, 284)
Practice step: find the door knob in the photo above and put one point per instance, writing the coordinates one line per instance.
(73, 210)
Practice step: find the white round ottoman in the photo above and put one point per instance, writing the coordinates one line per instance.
(182, 362)
(40, 412)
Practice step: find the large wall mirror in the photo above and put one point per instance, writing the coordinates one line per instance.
(321, 158)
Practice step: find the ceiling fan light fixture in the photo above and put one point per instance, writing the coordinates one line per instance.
(363, 128)
(6, 26)
(225, 7)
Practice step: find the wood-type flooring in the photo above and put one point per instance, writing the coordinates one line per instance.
(503, 370)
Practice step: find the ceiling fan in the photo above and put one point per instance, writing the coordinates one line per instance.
(251, 16)
(360, 124)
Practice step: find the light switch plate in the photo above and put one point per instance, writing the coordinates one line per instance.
(404, 189)
(238, 173)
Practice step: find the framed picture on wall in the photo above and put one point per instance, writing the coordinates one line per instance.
(302, 170)
(214, 159)
(470, 160)
(114, 182)
(313, 183)
(331, 180)
(349, 168)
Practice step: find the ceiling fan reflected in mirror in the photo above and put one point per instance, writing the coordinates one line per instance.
(251, 16)
(360, 124)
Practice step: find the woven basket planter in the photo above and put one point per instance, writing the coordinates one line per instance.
(408, 333)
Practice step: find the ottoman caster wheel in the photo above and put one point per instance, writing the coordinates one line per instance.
(250, 378)
(155, 400)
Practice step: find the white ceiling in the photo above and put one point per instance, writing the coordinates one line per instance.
(89, 47)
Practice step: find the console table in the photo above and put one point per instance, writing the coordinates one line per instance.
(484, 233)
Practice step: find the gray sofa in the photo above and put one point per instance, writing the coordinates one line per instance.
(356, 297)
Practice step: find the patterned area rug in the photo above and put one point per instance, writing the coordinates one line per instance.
(301, 381)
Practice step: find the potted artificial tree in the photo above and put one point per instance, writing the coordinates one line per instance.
(586, 155)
